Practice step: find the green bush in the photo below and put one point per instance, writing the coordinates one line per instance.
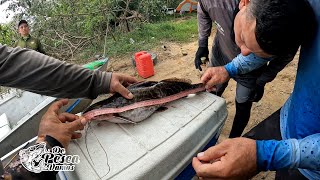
(68, 28)
(7, 35)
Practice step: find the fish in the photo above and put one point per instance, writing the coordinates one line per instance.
(149, 96)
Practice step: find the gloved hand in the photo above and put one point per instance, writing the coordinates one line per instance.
(257, 94)
(202, 52)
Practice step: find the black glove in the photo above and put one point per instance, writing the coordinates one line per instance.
(257, 93)
(202, 52)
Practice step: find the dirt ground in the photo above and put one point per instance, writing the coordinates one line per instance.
(177, 60)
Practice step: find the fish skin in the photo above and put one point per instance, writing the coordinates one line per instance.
(143, 91)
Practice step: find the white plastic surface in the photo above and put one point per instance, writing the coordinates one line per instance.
(159, 147)
(4, 125)
(20, 104)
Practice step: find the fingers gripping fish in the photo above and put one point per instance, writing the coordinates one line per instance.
(148, 97)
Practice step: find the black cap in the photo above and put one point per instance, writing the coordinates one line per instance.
(21, 22)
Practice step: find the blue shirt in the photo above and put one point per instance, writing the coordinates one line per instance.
(244, 64)
(300, 115)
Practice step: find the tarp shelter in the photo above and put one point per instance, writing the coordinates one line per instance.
(187, 6)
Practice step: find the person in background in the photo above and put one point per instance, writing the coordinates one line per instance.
(288, 141)
(26, 40)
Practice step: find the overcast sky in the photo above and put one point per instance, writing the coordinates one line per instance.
(3, 18)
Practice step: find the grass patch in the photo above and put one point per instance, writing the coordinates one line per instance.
(150, 35)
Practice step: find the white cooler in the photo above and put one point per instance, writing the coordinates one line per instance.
(4, 125)
(160, 147)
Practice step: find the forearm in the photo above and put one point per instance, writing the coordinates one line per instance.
(204, 27)
(244, 64)
(273, 68)
(290, 154)
(35, 72)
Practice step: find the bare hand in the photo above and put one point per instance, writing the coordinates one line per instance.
(214, 76)
(231, 159)
(119, 82)
(54, 124)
